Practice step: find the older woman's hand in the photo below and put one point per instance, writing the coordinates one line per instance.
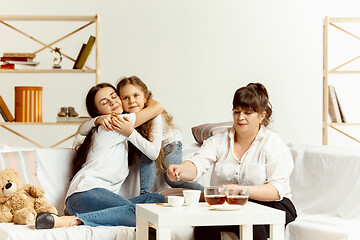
(173, 172)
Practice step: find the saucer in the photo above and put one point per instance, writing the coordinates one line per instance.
(226, 207)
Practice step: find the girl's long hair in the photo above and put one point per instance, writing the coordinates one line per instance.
(82, 149)
(145, 129)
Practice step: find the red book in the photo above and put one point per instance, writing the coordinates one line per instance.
(7, 66)
(23, 59)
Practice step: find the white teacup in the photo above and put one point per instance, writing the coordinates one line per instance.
(175, 201)
(191, 197)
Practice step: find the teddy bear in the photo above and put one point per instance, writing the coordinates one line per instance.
(20, 203)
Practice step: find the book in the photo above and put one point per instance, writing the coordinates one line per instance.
(334, 109)
(23, 59)
(78, 57)
(16, 66)
(4, 111)
(22, 63)
(14, 54)
(84, 53)
(343, 120)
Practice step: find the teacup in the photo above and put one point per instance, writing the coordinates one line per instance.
(191, 197)
(238, 196)
(215, 195)
(175, 201)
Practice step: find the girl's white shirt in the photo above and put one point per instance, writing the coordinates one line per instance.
(268, 160)
(162, 135)
(106, 165)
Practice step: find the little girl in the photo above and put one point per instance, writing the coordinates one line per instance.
(164, 138)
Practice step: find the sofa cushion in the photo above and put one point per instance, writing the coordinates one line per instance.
(204, 131)
(54, 173)
(326, 180)
(322, 226)
(24, 162)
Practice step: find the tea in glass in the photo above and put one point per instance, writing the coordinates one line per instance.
(215, 195)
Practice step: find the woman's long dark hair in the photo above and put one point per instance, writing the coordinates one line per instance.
(82, 149)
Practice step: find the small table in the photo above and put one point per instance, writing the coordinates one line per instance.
(165, 217)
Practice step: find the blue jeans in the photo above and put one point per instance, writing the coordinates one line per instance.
(101, 207)
(173, 155)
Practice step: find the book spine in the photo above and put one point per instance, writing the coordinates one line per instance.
(6, 110)
(7, 66)
(78, 57)
(29, 55)
(23, 59)
(85, 53)
(3, 115)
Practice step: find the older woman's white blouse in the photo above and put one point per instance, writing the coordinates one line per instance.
(268, 160)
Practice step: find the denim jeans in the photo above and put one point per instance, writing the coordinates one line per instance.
(173, 155)
(101, 207)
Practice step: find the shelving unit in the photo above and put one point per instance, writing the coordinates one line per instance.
(88, 20)
(332, 22)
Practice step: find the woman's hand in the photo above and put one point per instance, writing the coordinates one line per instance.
(185, 171)
(105, 121)
(122, 124)
(233, 187)
(173, 172)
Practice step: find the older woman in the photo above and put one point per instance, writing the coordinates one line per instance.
(248, 155)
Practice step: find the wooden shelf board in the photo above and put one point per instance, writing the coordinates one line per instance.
(344, 124)
(347, 20)
(47, 71)
(347, 71)
(46, 18)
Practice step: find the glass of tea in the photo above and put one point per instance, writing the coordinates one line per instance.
(237, 196)
(215, 195)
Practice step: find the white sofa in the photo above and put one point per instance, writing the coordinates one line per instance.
(325, 186)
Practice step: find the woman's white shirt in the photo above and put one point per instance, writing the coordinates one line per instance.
(106, 165)
(268, 160)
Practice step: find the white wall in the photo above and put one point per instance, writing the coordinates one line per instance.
(193, 55)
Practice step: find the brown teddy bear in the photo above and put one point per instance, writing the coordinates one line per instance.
(20, 203)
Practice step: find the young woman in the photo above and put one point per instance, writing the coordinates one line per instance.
(164, 139)
(248, 155)
(101, 166)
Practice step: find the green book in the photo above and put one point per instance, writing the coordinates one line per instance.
(84, 53)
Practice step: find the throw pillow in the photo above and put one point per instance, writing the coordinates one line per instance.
(24, 162)
(204, 131)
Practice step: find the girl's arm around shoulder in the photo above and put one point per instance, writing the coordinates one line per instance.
(104, 120)
(153, 109)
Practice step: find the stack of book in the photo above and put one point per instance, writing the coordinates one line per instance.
(18, 61)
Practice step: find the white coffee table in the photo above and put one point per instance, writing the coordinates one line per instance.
(165, 217)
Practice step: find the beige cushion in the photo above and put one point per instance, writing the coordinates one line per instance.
(204, 131)
(24, 162)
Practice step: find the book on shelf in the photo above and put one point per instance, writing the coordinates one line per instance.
(84, 53)
(16, 66)
(4, 111)
(335, 111)
(15, 54)
(23, 59)
(22, 63)
(76, 64)
(71, 119)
